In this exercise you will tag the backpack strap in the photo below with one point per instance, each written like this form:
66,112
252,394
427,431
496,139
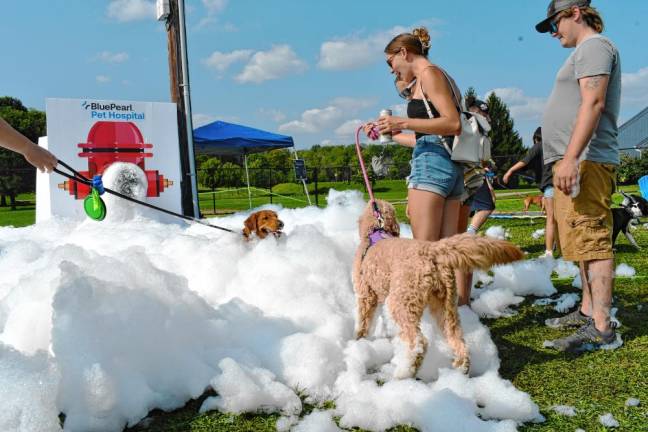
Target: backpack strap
429,110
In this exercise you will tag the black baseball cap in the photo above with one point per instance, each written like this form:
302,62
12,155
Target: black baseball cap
556,6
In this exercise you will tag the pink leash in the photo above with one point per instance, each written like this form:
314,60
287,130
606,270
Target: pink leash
373,134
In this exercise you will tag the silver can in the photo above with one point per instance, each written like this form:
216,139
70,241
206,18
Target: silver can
387,137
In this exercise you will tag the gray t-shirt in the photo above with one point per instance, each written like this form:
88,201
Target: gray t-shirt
596,55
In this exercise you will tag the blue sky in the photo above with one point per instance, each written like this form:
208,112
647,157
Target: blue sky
310,69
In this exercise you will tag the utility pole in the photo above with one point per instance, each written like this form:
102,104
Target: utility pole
172,11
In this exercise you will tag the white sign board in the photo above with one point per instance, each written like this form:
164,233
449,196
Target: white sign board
90,135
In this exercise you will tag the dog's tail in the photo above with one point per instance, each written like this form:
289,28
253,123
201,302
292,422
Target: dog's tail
466,252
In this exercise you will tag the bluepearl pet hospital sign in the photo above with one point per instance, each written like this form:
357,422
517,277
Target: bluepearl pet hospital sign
91,135
112,111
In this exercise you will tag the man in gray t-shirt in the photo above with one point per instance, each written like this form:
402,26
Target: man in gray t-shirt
579,131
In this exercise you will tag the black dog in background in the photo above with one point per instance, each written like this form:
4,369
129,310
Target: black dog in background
632,208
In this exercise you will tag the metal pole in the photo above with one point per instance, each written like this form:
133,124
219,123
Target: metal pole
187,102
304,182
247,177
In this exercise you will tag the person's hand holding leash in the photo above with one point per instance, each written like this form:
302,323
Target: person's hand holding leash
40,158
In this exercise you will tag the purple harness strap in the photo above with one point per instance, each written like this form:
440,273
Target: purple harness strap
378,235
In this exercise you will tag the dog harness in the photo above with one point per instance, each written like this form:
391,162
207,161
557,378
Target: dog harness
376,235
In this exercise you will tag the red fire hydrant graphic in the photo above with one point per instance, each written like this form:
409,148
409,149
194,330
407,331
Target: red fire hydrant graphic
110,142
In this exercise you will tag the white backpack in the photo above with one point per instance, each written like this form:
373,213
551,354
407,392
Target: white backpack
473,145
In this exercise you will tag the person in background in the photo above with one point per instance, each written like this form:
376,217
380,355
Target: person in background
579,131
544,179
13,140
482,202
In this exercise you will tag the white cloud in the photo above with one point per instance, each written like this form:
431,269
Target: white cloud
635,88
276,63
354,52
274,114
102,79
348,128
215,6
521,106
110,57
313,120
330,117
131,10
221,61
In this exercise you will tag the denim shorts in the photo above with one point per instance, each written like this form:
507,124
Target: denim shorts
433,170
548,192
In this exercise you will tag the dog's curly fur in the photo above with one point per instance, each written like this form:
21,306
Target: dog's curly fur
409,275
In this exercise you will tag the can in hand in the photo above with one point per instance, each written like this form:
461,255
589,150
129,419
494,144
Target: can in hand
385,138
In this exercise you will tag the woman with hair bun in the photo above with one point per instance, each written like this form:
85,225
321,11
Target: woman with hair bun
435,183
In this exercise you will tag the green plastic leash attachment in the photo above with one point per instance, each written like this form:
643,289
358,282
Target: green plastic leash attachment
94,206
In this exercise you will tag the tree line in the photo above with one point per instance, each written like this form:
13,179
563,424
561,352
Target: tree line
16,174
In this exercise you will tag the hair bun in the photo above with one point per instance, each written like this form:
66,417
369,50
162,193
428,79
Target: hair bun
422,34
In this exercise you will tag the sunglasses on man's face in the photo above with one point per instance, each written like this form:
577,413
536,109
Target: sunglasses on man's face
553,24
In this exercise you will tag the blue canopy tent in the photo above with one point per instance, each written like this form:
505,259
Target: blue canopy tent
227,139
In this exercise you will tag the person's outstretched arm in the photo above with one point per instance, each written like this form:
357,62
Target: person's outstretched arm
509,173
13,140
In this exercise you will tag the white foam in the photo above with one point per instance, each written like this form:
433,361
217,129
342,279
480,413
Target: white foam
105,321
624,270
537,234
608,420
565,269
497,232
632,402
565,410
317,421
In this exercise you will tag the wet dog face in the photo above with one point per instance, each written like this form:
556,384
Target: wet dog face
262,223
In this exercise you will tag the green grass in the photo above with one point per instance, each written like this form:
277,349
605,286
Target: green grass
595,383
24,215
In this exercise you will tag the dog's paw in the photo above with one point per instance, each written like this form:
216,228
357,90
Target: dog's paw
402,372
463,364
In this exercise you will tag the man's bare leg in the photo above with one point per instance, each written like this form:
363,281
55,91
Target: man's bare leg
601,281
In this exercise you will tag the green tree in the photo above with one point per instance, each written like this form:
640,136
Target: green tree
506,142
632,169
16,174
470,96
208,173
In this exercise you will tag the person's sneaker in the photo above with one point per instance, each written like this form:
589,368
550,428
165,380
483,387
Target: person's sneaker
573,319
586,338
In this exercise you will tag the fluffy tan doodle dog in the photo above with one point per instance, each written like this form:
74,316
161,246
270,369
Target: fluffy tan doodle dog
409,275
262,223
535,199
